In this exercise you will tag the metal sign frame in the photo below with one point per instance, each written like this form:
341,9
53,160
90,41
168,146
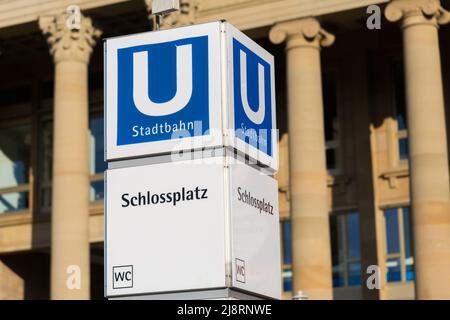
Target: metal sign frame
214,138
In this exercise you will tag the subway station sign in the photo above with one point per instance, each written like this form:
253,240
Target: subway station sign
196,87
213,225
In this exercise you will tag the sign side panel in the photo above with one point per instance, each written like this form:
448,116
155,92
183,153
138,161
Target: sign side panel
236,37
255,232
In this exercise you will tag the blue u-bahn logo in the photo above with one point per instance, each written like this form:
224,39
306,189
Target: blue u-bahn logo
252,98
163,91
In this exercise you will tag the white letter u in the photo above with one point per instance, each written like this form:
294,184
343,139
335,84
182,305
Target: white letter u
184,84
258,116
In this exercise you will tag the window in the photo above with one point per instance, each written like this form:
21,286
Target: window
95,81
15,96
97,164
15,153
400,111
45,164
345,249
399,257
286,252
46,93
331,124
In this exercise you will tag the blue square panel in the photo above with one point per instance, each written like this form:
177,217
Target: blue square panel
252,98
162,91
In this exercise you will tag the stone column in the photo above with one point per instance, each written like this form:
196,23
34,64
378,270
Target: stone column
71,46
308,175
428,160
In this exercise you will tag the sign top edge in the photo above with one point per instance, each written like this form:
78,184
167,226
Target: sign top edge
218,22
236,30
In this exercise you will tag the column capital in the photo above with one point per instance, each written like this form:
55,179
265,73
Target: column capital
417,12
70,36
302,32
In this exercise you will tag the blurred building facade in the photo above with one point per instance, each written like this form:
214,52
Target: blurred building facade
362,112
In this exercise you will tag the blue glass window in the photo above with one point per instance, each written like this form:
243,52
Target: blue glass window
287,241
353,235
401,121
393,270
338,275
345,249
354,274
353,249
407,231
392,236
409,260
403,148
287,280
400,260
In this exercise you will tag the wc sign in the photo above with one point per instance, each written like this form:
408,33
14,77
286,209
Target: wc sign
196,87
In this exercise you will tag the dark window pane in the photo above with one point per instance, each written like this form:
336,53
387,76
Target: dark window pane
408,244
95,80
330,105
393,270
287,242
97,190
97,148
45,165
345,245
407,231
392,236
354,274
399,88
353,235
15,95
331,159
401,122
338,276
97,163
334,239
403,148
47,88
336,252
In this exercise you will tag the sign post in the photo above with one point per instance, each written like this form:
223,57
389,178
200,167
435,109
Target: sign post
191,209
161,7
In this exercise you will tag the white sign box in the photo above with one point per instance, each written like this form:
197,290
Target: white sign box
255,237
213,225
200,86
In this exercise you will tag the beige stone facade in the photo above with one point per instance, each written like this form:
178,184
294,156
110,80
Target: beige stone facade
363,116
